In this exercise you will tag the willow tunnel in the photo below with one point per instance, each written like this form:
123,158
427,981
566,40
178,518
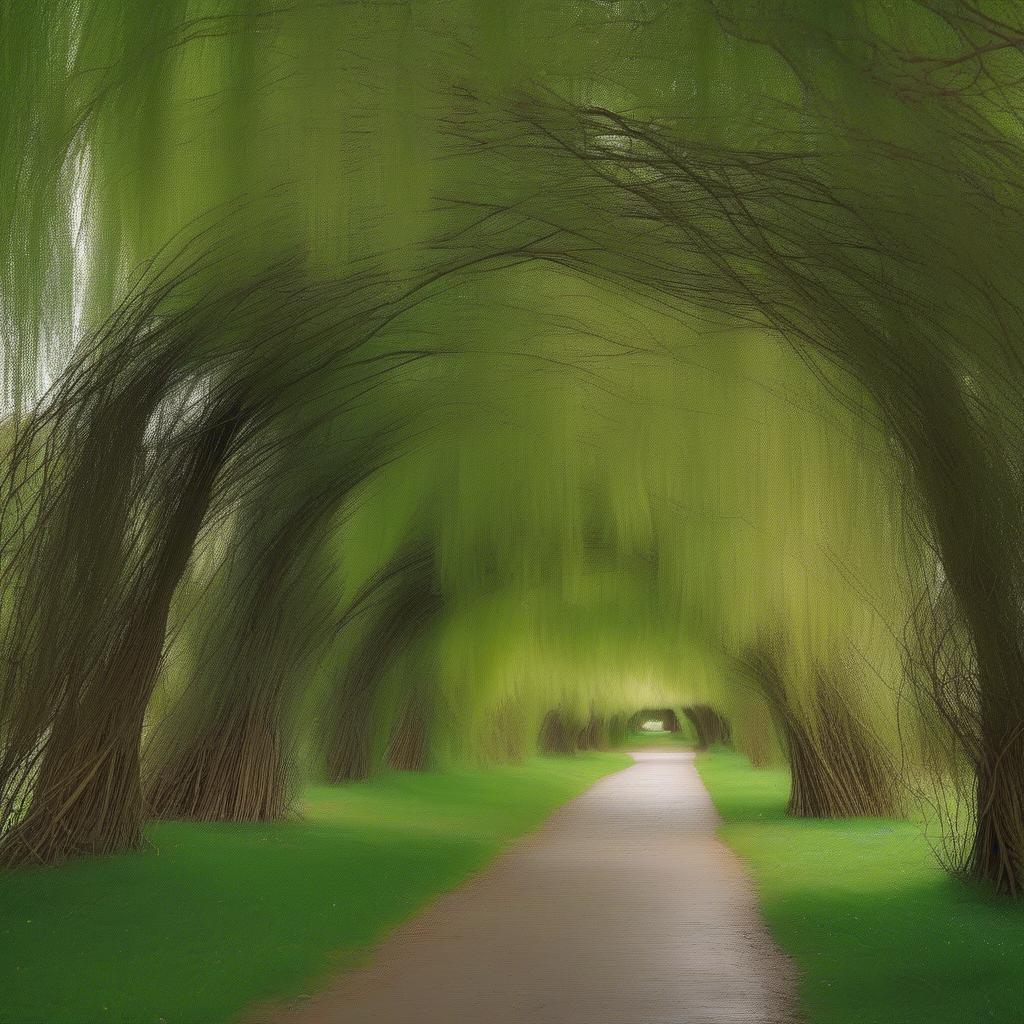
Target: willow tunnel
429,388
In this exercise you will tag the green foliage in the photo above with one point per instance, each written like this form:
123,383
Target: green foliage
694,338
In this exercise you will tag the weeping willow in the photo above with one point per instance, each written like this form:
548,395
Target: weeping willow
397,386
861,220
122,470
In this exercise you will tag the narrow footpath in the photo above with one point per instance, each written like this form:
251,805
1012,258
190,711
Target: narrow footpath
622,908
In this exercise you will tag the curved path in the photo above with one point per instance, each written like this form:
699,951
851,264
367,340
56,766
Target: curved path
623,908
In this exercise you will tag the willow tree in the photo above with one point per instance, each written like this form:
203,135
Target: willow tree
94,575
172,415
225,752
185,403
709,726
398,604
868,217
860,221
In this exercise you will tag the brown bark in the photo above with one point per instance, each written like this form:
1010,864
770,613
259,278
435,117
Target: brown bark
840,773
349,755
971,494
226,753
88,796
996,852
838,768
407,748
594,734
556,735
710,728
234,771
223,754
408,599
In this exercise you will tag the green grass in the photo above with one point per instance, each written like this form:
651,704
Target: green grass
657,740
216,917
880,934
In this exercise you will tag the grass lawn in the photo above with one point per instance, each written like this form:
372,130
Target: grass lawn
657,741
879,933
214,918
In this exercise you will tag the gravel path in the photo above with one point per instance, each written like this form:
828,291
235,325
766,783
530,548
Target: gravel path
623,908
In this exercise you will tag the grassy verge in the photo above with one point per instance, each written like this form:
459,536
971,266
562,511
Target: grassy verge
880,934
215,917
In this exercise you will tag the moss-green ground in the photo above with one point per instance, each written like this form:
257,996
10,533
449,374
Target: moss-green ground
214,918
880,934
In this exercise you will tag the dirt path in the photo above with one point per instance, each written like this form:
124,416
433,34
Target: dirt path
623,908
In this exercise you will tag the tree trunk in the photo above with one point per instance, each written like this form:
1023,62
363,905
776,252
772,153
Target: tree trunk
971,494
88,797
618,730
709,726
349,754
234,771
223,754
556,736
996,853
407,749
838,768
840,773
593,735
409,599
